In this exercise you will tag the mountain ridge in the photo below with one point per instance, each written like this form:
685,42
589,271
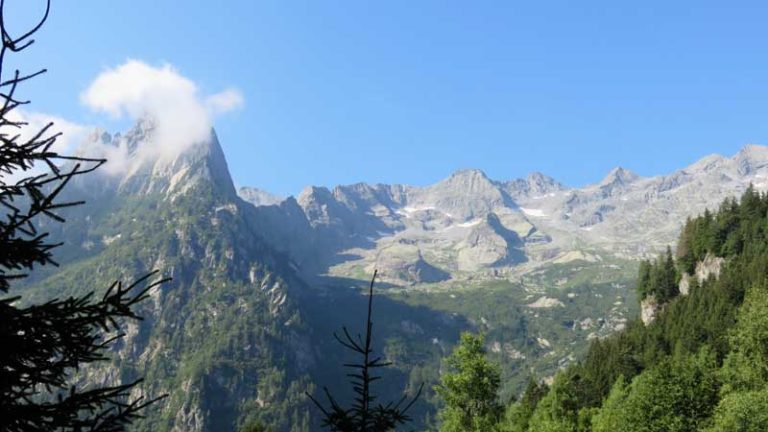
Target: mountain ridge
624,214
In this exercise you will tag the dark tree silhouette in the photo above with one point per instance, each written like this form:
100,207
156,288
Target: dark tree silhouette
41,345
364,415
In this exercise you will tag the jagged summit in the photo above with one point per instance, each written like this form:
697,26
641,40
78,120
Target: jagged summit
259,197
535,184
754,151
619,176
707,163
314,193
466,181
469,173
751,158
542,183
140,166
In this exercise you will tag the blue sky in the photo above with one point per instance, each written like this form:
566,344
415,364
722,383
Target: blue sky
409,91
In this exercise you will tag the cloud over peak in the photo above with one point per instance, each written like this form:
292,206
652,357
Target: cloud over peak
181,115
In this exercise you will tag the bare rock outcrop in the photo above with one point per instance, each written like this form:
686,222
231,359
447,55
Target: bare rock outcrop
710,266
649,309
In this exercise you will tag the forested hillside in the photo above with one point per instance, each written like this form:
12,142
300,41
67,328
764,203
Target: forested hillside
699,363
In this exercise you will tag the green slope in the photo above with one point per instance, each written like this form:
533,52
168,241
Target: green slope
702,364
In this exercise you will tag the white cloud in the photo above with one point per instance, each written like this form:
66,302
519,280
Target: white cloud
182,117
72,134
136,90
226,101
116,153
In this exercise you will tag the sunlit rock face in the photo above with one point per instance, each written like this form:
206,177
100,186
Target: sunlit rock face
710,266
470,225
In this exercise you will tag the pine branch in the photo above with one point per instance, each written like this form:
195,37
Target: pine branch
43,345
362,416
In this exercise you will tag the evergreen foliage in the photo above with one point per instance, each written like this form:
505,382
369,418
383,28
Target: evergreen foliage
470,389
742,412
255,426
364,415
703,363
672,396
519,414
45,344
659,279
558,409
746,366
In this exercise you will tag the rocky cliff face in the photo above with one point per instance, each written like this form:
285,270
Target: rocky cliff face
710,266
649,309
259,197
536,221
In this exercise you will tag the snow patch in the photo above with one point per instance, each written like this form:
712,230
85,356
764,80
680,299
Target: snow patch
408,211
107,240
533,212
469,224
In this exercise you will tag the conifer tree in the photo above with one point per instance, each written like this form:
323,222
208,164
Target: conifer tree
364,415
519,414
43,345
470,389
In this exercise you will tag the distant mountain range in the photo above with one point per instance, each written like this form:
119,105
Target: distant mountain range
261,282
470,226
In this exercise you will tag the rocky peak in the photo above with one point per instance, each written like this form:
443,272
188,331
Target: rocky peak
259,197
469,179
201,164
464,195
706,164
364,197
539,183
535,185
619,177
751,158
465,182
320,206
140,132
616,182
100,136
314,195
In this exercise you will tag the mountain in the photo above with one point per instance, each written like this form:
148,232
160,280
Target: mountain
258,197
227,336
536,221
261,283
